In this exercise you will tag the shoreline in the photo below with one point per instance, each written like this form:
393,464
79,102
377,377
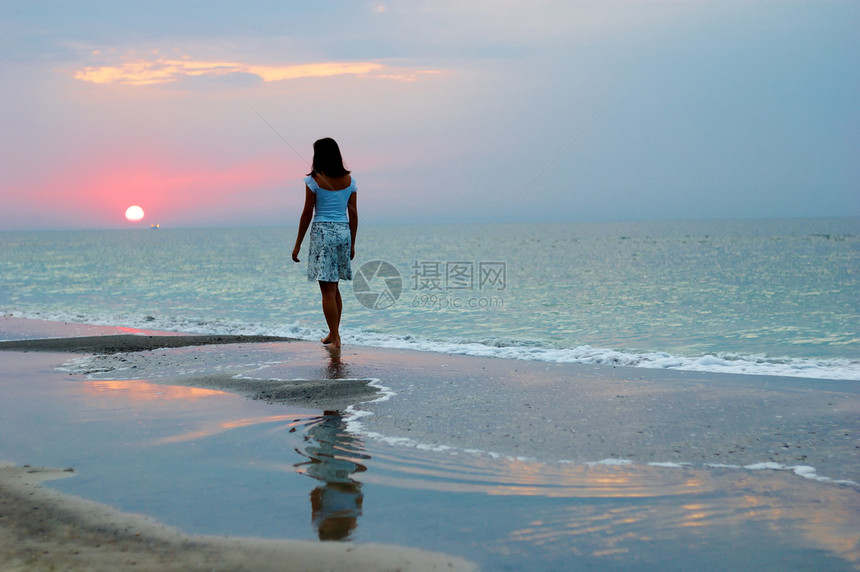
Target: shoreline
554,412
732,362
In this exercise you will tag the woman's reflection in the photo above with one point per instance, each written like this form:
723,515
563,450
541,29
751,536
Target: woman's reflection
335,368
333,456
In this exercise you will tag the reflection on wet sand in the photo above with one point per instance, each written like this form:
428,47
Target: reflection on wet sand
780,510
334,455
513,477
615,509
335,368
291,421
138,390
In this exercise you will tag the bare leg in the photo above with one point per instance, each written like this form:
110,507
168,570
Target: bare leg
332,307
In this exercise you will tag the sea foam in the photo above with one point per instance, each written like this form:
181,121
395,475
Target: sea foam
730,363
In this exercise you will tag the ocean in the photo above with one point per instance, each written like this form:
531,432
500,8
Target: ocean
762,297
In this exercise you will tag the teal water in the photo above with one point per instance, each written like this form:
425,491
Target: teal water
745,296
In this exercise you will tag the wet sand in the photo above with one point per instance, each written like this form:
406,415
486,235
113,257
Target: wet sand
532,410
112,344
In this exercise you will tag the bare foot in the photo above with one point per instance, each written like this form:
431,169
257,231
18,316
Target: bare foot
334,341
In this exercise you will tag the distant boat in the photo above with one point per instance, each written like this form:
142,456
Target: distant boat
154,226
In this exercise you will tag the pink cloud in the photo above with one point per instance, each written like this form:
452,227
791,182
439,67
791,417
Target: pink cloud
165,70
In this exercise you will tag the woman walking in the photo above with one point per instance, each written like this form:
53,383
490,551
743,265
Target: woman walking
331,212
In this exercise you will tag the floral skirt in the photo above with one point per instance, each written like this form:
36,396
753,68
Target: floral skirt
328,257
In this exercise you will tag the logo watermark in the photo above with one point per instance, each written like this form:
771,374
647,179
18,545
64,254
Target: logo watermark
439,276
440,301
436,284
377,284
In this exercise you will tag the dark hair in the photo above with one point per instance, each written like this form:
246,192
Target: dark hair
327,159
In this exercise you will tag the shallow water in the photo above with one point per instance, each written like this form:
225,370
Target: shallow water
766,297
214,463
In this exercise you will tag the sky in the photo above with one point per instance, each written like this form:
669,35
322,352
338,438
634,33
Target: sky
204,112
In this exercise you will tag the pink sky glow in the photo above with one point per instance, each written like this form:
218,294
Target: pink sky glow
445,111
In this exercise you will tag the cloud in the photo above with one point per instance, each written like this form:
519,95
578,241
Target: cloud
165,70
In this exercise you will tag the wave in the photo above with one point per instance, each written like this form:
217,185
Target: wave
734,363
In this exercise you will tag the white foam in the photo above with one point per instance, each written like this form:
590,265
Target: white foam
354,416
769,465
611,462
837,368
804,471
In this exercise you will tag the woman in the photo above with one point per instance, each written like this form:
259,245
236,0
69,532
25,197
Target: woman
330,204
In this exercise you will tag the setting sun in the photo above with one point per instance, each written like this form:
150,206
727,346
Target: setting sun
134,213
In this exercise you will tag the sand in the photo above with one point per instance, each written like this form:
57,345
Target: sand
112,344
41,529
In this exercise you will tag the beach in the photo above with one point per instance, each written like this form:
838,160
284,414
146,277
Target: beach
567,421
635,346
42,529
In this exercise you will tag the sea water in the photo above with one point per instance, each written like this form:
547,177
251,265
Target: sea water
756,297
766,297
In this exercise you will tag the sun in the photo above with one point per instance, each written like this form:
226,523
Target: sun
134,213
